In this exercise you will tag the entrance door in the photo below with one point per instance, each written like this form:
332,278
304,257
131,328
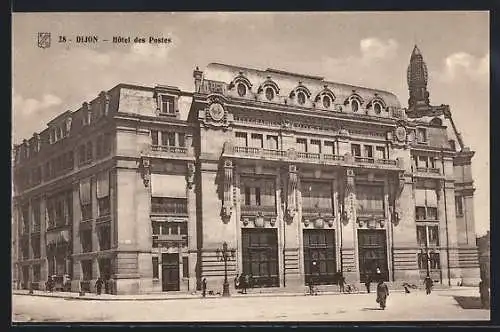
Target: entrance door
170,272
319,247
260,256
372,247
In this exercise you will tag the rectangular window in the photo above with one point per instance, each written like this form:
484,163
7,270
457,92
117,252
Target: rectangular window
421,135
241,139
368,151
86,240
272,142
108,144
89,151
185,267
257,197
35,205
356,150
256,141
155,263
170,139
156,228
380,152
86,199
81,154
434,260
301,145
329,147
167,105
181,139
421,236
420,213
315,146
99,146
370,200
154,137
258,192
459,206
317,197
433,235
423,162
104,237
35,245
103,206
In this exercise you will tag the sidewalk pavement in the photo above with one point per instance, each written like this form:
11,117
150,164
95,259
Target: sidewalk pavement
185,296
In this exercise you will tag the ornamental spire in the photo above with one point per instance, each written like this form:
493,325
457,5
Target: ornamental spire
417,80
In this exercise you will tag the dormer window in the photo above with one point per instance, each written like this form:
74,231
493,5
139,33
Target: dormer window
301,98
242,89
269,93
327,101
167,105
354,105
377,108
421,135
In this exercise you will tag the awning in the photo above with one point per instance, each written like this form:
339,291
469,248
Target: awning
431,198
420,197
85,197
163,185
103,184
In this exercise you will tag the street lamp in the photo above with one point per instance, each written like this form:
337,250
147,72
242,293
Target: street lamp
223,255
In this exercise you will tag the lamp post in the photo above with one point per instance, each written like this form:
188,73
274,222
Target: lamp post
223,255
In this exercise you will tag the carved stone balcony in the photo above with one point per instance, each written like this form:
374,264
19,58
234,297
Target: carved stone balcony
427,172
171,152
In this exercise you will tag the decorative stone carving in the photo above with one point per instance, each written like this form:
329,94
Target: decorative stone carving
227,204
246,221
145,168
259,220
370,222
306,221
190,175
291,210
292,153
331,222
319,222
272,222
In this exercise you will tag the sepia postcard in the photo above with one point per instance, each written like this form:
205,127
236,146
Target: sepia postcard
250,167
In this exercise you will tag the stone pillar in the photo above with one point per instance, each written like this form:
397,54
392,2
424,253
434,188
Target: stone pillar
44,271
143,234
349,234
292,234
192,229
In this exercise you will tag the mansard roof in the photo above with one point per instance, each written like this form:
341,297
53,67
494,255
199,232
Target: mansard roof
288,81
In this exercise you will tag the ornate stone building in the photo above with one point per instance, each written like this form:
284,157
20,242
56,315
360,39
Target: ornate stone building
288,169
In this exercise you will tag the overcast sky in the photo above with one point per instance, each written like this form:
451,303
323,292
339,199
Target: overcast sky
368,49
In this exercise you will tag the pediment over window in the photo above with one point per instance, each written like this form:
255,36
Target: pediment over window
269,83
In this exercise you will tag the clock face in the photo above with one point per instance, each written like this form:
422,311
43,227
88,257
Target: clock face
216,112
401,134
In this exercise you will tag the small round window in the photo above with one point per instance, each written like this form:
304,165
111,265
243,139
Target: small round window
327,102
354,105
269,94
242,90
377,107
301,98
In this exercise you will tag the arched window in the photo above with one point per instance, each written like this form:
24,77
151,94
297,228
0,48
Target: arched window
377,107
242,89
269,93
301,98
354,105
327,101
436,122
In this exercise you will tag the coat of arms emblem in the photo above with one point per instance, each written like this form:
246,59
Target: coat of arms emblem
44,39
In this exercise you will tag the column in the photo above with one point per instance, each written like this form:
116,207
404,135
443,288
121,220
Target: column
44,268
292,235
192,231
349,234
388,228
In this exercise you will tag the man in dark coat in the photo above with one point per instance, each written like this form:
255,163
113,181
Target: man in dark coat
428,285
382,294
341,281
243,284
204,287
368,281
98,285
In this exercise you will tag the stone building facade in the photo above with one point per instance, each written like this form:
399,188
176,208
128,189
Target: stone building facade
287,169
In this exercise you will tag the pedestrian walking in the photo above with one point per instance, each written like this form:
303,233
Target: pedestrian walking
368,281
341,282
98,285
428,284
236,282
204,287
248,282
243,284
484,294
382,294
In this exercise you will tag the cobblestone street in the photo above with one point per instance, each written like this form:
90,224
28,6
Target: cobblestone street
440,305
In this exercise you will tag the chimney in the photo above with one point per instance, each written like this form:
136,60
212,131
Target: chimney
197,74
